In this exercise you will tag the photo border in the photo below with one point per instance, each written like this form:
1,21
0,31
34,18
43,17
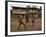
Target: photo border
6,18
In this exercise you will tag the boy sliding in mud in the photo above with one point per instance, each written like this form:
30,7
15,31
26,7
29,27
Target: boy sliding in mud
20,21
33,19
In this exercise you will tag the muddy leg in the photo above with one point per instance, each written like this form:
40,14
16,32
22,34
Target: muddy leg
19,26
32,23
24,26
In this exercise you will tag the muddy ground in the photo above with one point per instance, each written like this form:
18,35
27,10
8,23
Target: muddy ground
28,26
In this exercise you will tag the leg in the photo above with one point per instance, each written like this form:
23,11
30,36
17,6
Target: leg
32,22
24,25
19,25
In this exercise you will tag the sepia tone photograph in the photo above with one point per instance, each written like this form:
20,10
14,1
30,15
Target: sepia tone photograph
25,18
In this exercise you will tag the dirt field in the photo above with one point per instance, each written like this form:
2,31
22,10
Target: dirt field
27,27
